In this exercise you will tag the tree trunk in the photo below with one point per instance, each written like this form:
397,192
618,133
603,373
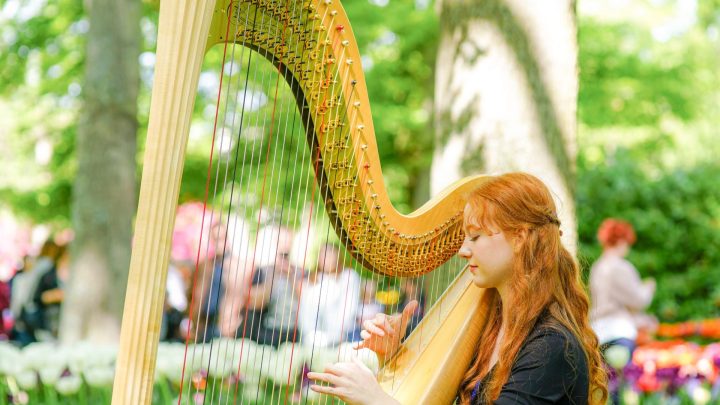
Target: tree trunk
104,194
506,95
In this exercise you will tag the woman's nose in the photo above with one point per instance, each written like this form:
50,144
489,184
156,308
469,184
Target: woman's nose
464,251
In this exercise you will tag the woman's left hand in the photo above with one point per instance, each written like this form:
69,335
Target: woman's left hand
352,382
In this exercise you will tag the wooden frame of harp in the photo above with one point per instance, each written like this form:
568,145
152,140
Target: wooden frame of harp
390,243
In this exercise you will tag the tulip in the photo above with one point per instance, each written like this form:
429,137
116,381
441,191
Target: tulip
68,385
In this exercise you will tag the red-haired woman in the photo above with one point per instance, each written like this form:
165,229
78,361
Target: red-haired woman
537,346
619,296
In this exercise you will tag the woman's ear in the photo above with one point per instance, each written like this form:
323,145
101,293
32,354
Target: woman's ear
519,239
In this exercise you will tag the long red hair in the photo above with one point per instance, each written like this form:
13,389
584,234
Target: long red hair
545,276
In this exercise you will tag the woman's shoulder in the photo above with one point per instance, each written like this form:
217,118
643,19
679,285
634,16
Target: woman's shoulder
551,367
553,345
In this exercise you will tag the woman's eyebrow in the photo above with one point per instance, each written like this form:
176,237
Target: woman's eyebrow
472,228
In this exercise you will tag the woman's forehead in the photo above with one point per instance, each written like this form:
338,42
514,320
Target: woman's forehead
472,216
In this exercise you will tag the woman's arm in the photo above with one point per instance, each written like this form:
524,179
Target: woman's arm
629,289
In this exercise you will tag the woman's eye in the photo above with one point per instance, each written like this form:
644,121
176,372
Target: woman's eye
473,238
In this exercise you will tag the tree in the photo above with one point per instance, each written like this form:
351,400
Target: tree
104,192
506,91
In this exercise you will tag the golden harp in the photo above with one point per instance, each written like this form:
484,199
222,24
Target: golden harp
311,46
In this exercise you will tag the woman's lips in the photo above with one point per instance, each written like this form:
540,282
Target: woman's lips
473,269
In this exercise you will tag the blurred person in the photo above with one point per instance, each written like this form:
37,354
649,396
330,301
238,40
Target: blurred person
411,291
369,307
49,295
176,302
618,296
206,289
330,300
24,309
270,316
236,282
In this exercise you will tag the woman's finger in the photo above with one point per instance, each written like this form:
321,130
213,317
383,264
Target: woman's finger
324,377
388,327
335,369
408,312
373,328
324,389
365,335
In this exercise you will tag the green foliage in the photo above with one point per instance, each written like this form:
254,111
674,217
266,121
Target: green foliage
400,83
676,214
627,78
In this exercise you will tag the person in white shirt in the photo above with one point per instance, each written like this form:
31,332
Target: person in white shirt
619,297
330,300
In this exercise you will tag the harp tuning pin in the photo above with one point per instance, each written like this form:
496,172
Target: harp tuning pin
340,28
374,196
333,13
345,43
391,229
360,127
382,216
366,165
349,61
377,207
328,2
364,147
356,104
370,182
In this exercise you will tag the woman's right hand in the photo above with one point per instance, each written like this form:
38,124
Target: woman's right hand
383,333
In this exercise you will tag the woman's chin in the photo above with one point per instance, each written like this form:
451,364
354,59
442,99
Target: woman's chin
479,283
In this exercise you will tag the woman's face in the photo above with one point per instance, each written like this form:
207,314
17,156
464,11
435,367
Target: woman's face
488,252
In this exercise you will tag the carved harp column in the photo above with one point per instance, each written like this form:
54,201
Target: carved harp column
312,46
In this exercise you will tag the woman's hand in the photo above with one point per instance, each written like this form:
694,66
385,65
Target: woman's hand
351,382
383,333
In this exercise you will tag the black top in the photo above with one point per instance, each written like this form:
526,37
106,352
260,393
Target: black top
550,368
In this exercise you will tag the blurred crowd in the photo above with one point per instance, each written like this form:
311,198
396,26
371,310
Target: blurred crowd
275,292
285,288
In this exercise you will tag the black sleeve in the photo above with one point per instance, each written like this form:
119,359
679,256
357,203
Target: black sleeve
550,368
258,276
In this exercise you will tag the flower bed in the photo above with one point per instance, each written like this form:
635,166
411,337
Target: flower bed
224,370
668,372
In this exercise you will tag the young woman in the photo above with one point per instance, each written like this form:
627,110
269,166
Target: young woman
537,346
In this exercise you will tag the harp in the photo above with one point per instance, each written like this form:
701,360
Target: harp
310,46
